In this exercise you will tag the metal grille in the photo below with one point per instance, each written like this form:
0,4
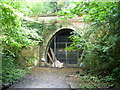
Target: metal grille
63,55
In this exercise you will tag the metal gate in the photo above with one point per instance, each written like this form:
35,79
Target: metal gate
63,55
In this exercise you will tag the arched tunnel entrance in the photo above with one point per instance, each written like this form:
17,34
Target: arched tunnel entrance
57,44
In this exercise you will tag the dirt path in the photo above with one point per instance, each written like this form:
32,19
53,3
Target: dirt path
49,78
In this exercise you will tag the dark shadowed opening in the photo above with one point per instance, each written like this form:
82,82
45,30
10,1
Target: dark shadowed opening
58,43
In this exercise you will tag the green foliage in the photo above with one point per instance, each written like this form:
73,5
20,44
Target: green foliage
14,39
42,9
101,38
47,7
18,33
42,28
78,43
32,7
92,82
95,11
10,71
108,78
33,30
22,6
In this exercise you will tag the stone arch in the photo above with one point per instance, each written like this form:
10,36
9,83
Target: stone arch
49,40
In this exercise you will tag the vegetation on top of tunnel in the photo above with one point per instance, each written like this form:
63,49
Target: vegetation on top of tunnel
31,7
101,38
